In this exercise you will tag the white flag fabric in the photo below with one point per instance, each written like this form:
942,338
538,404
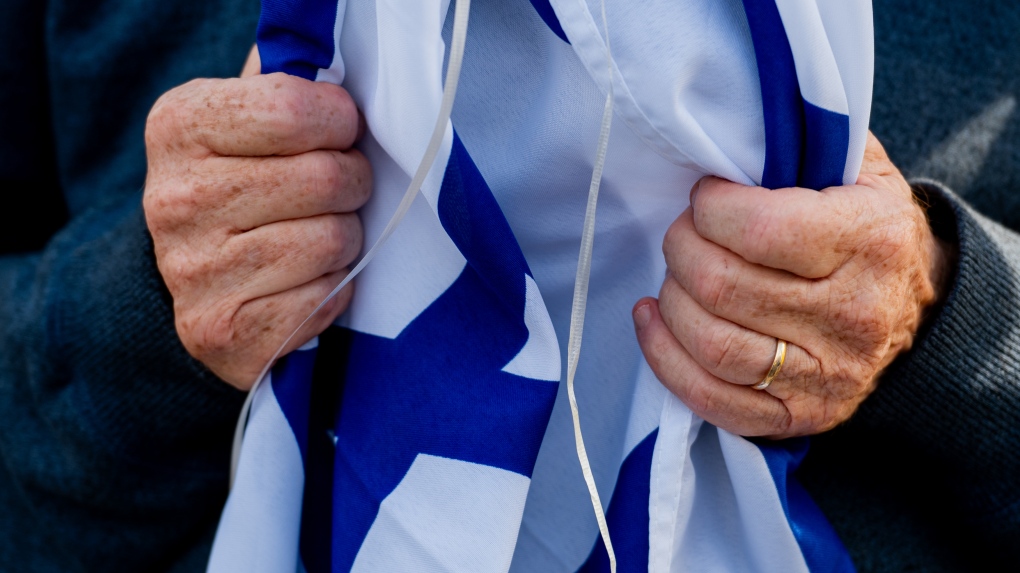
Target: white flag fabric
428,430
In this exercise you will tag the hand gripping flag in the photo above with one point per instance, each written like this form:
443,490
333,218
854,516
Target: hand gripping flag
428,430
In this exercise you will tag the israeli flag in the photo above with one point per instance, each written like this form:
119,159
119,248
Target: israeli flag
428,430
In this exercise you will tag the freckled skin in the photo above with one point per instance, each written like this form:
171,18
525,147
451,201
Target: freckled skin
251,200
844,275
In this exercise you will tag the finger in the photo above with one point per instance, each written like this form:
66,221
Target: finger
253,65
876,160
879,172
814,414
262,325
731,352
737,409
796,230
253,192
280,256
763,299
273,114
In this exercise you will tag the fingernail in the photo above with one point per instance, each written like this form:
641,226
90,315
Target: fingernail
642,315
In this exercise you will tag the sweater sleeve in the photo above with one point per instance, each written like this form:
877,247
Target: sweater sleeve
114,439
954,400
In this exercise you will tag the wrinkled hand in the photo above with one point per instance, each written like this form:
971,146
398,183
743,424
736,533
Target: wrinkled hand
250,198
844,275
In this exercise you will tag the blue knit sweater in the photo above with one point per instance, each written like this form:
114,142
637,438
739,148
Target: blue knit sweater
113,441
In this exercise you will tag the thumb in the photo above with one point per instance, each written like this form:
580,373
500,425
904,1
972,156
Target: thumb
658,344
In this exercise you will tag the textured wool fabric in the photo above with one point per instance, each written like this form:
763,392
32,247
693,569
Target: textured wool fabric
113,441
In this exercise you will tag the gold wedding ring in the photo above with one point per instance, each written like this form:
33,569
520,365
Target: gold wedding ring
777,365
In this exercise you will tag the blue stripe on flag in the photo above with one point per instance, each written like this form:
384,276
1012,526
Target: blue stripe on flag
628,514
472,218
822,549
545,10
438,387
781,101
292,390
296,36
805,145
828,142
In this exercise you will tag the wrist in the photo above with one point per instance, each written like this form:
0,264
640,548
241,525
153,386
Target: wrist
943,247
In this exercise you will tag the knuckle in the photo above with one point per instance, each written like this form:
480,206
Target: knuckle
170,203
830,415
206,333
359,177
672,236
163,118
335,240
895,238
353,235
760,234
713,286
872,327
175,113
708,402
335,304
778,420
155,206
862,321
661,359
345,105
804,416
719,348
807,367
306,304
894,229
343,112
327,174
346,102
340,301
280,123
355,228
699,400
252,255
343,298
170,263
287,117
183,270
871,179
215,336
330,236
846,378
672,242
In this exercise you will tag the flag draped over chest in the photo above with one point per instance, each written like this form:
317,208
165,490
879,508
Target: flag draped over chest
427,431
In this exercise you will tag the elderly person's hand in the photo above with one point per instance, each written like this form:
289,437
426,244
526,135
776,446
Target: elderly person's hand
843,275
250,197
